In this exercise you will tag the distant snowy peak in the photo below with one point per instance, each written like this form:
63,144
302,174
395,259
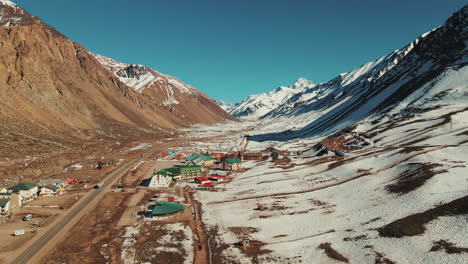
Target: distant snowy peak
303,83
417,71
258,105
143,79
7,3
226,106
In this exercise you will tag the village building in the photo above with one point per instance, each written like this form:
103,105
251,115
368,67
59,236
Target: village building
5,204
56,182
217,178
208,185
166,208
201,180
174,172
197,161
218,172
180,156
217,156
164,156
11,201
160,179
190,171
27,191
71,180
231,156
50,190
251,156
231,164
200,159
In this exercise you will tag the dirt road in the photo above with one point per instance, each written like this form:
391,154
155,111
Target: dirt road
28,254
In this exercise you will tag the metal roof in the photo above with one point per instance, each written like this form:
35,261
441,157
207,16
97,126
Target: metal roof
22,187
3,202
233,160
164,208
190,167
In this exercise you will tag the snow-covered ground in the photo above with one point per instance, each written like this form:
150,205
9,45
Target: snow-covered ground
416,165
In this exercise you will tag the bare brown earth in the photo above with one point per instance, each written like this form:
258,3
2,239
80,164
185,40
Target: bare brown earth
414,176
413,225
63,106
448,247
332,253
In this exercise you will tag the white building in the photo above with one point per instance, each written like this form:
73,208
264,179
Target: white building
5,206
50,190
9,202
27,191
159,180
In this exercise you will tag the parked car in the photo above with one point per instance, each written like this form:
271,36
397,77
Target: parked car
19,232
27,217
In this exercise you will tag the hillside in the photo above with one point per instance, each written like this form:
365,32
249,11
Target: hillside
429,70
168,92
57,97
376,170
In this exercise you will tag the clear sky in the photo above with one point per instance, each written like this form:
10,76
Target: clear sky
230,49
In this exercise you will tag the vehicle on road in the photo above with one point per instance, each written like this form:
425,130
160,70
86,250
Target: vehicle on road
19,232
99,185
27,217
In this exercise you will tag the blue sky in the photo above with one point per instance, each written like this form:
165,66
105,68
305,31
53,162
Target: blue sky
230,49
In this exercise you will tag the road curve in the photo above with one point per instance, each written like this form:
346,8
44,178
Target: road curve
28,254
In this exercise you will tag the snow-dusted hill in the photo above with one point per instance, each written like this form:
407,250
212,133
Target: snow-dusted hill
181,99
255,106
377,170
379,86
141,77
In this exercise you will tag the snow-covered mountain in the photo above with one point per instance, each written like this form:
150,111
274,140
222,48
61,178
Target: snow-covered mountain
424,75
181,99
257,105
143,78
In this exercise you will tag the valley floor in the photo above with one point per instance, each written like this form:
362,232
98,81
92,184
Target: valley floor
395,195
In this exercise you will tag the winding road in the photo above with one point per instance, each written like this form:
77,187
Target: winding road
27,256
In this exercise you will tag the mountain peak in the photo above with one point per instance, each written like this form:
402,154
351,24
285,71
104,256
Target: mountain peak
303,83
7,3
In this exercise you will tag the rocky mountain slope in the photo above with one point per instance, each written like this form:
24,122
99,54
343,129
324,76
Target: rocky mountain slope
168,92
377,170
255,106
57,97
417,71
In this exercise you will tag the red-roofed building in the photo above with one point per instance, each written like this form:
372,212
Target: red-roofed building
180,156
71,180
217,156
208,185
231,156
164,155
217,178
201,179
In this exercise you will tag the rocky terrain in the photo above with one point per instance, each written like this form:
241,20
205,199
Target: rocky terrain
58,98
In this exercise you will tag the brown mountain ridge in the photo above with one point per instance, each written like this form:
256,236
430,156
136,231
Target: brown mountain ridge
57,97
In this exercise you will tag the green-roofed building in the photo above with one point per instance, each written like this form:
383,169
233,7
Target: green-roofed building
200,159
165,208
5,206
26,190
190,171
231,164
162,173
192,157
174,171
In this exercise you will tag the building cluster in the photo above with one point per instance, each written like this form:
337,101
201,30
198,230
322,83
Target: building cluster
13,197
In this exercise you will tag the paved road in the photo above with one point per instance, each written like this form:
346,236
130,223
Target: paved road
32,250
